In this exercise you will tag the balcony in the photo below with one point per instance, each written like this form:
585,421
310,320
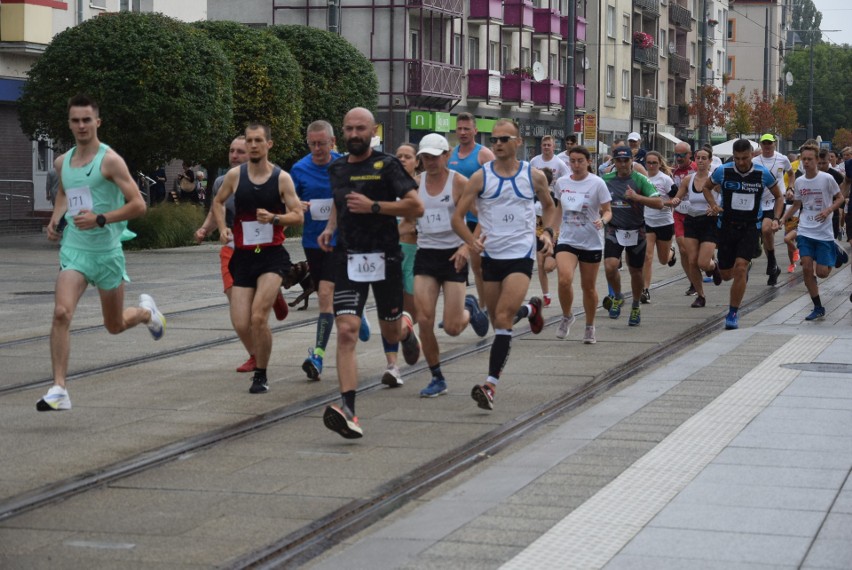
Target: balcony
678,115
580,96
651,7
451,7
649,57
579,28
518,14
679,66
517,88
546,22
483,84
433,83
485,10
679,16
25,28
547,93
645,108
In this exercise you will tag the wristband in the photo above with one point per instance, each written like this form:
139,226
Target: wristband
274,220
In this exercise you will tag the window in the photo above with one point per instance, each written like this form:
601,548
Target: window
457,50
472,53
525,57
664,45
625,84
493,55
693,52
731,66
536,56
732,30
505,58
127,5
610,81
553,71
662,94
414,38
625,28
610,21
97,4
562,72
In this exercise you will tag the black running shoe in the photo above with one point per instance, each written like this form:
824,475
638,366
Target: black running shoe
484,396
341,420
258,385
773,277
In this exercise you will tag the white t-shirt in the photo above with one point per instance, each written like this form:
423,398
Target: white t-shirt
816,194
555,164
581,206
656,218
776,165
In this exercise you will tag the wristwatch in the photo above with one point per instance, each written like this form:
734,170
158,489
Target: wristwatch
100,220
376,208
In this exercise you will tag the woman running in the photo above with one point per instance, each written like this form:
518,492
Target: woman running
659,224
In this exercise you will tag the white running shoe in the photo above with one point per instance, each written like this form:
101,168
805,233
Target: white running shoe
565,326
157,324
392,378
56,399
589,335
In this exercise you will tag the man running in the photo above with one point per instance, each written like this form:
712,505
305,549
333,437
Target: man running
503,191
265,202
370,190
778,166
96,196
682,168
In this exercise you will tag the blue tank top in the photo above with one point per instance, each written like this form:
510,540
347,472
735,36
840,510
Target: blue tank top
467,166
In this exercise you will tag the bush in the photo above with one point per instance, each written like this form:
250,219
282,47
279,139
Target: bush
167,225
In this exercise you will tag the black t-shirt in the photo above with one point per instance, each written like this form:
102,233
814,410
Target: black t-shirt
380,177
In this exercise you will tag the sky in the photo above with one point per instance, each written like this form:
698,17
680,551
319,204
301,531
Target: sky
836,15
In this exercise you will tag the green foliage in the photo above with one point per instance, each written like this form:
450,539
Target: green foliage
166,225
337,77
807,17
832,103
164,88
842,138
739,115
267,88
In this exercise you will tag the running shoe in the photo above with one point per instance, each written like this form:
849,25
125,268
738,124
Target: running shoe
313,366
791,268
645,297
773,277
536,319
635,317
484,396
673,258
817,313
795,256
607,302
364,330
565,326
157,324
55,400
279,307
342,421
410,344
717,274
247,366
732,321
478,319
437,387
589,335
547,300
842,256
698,302
392,378
258,384
691,292
615,309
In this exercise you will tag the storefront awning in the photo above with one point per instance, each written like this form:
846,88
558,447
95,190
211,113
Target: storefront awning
669,137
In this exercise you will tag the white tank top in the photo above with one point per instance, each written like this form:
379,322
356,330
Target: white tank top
697,202
507,213
434,230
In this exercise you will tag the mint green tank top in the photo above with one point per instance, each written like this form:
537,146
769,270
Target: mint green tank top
86,188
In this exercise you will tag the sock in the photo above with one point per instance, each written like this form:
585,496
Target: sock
319,352
324,324
349,400
770,257
732,310
524,312
260,372
436,371
635,304
394,348
817,302
500,349
618,296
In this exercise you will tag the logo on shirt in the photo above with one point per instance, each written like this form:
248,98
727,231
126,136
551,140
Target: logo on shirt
378,165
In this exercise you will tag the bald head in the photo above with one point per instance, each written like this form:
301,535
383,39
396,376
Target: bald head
359,126
361,114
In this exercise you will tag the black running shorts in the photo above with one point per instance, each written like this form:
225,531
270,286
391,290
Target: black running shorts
351,296
436,263
246,265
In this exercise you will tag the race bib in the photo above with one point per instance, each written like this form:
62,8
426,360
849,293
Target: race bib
366,267
508,220
766,204
79,199
572,201
627,237
255,233
743,202
321,209
435,220
683,207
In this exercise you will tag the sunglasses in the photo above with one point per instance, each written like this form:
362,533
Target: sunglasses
503,139
679,154
767,142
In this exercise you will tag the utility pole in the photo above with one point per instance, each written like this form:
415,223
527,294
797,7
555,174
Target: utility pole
570,44
702,126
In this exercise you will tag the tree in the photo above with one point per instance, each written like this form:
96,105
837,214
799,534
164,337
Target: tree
807,17
762,120
832,101
710,111
337,77
267,88
842,139
786,117
145,71
739,115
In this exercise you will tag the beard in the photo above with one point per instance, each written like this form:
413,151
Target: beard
256,159
357,147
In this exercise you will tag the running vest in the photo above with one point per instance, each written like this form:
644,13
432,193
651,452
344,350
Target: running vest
247,199
434,230
86,189
697,202
507,213
466,166
741,193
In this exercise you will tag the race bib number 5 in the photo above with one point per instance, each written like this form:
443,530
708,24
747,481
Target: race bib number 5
366,267
255,233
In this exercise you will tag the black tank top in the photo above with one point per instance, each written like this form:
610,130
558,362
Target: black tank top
249,197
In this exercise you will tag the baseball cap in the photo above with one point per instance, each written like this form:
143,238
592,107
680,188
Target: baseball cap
433,144
622,152
768,137
634,137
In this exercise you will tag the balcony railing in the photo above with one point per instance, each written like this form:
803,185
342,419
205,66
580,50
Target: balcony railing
546,21
482,10
648,6
433,79
518,13
679,65
649,57
547,93
645,108
483,84
678,115
452,7
680,16
517,89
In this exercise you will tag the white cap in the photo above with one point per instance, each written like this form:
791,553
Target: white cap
433,144
634,137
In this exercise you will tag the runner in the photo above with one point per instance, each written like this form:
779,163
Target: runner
778,166
683,167
659,224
